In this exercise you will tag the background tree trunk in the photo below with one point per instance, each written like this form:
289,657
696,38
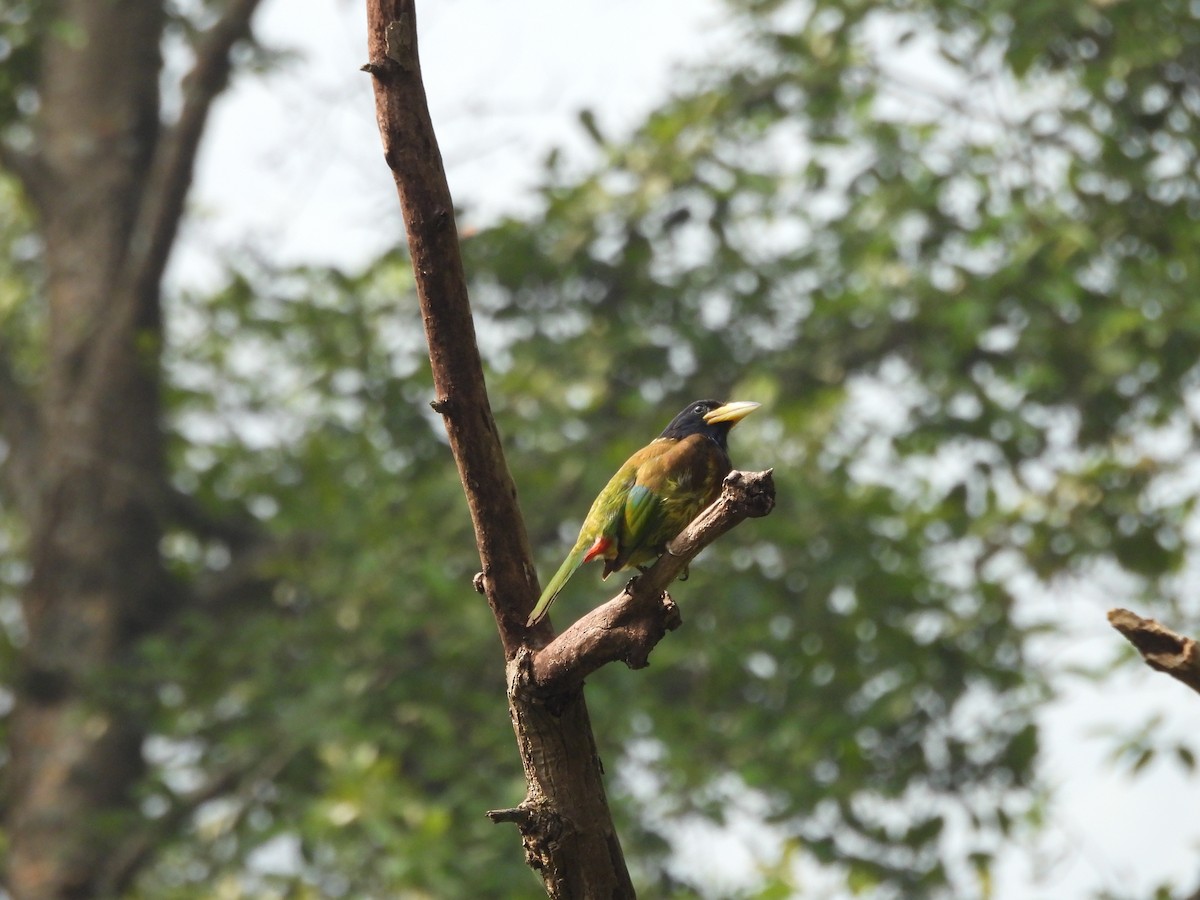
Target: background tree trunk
107,182
94,532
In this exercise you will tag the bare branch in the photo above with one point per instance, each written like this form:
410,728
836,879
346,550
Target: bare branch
573,842
171,175
1161,648
411,151
629,626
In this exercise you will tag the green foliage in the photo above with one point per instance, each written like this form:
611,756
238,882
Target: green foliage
966,305
973,327
360,690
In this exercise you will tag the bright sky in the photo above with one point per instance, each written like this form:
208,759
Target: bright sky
293,166
293,160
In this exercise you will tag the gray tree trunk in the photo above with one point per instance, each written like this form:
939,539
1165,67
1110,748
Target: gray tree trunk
107,181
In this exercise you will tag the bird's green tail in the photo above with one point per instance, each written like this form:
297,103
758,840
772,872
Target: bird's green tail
573,561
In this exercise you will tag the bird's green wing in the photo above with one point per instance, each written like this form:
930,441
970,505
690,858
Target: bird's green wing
664,498
653,497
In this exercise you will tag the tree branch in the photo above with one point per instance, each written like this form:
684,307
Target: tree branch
164,192
170,177
572,841
1161,648
411,152
629,626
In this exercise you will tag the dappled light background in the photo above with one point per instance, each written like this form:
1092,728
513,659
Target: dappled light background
951,249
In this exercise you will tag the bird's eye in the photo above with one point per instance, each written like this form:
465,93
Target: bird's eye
699,409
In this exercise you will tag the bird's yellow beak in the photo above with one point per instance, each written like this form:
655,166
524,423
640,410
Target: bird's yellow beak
733,412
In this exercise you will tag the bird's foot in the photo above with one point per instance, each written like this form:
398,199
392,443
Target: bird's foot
684,575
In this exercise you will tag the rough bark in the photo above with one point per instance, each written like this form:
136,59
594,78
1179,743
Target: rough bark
411,152
108,196
564,820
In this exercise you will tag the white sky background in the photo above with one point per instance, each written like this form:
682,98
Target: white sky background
292,166
293,160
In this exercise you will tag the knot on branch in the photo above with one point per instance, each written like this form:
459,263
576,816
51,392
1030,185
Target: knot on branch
519,815
754,491
541,827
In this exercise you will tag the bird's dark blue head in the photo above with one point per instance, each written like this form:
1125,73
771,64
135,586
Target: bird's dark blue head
711,418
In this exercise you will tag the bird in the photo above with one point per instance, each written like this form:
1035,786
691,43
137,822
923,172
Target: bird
654,495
